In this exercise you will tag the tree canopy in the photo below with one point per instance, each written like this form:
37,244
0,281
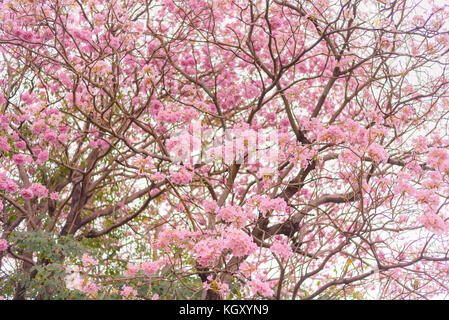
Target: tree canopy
233,149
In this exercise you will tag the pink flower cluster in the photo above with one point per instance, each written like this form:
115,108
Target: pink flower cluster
131,270
35,190
239,242
5,120
355,133
234,215
209,205
347,156
260,287
266,204
128,292
149,267
157,177
28,97
377,153
89,288
333,134
8,185
4,144
420,144
428,198
170,236
144,163
281,248
181,177
20,145
54,196
403,185
21,159
222,288
207,251
39,190
174,114
88,261
438,158
39,126
42,155
434,181
3,245
434,223
27,193
236,240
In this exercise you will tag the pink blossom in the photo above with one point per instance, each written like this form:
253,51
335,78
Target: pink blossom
348,156
114,43
154,192
11,186
207,251
3,245
54,196
157,177
4,121
21,145
403,218
88,261
181,177
427,197
377,153
420,144
434,223
259,287
39,190
150,268
26,97
281,248
232,214
128,291
434,181
50,136
89,288
403,185
4,144
21,159
266,204
209,206
132,269
169,236
239,242
135,101
42,157
39,126
27,193
437,156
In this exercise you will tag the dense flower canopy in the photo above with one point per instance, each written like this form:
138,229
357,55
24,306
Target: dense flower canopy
127,167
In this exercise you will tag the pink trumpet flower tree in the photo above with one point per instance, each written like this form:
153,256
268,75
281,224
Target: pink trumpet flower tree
224,149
